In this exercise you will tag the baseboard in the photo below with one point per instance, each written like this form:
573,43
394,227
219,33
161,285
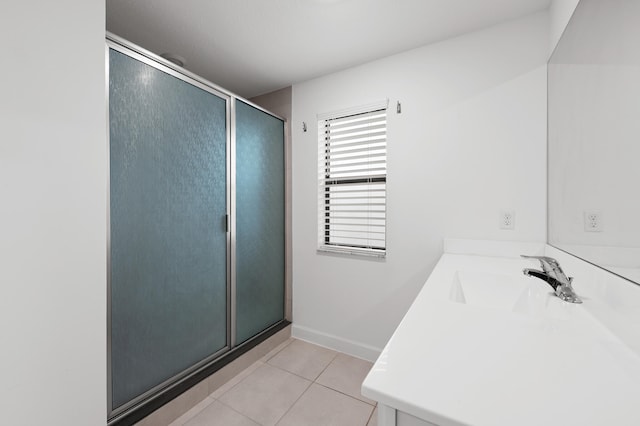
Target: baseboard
349,347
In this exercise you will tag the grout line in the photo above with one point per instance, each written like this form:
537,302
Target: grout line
294,403
242,414
184,422
296,374
339,391
371,416
327,366
264,361
239,381
345,394
336,353
291,339
260,360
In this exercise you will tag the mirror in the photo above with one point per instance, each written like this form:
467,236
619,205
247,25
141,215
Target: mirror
594,137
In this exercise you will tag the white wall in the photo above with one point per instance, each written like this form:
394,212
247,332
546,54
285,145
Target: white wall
471,140
53,202
560,12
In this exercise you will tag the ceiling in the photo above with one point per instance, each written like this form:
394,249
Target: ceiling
252,47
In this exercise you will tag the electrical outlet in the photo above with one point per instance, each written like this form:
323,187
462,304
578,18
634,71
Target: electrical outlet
507,219
593,221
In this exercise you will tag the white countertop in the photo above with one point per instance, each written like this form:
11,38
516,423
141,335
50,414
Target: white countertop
519,357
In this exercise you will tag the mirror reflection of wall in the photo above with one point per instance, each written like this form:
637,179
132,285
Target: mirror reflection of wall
594,137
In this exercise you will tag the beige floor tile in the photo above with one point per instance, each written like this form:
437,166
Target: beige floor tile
235,380
320,406
266,394
346,374
217,414
180,421
373,421
304,359
277,349
229,371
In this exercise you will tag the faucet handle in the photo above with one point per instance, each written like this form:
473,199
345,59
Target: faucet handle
548,263
540,258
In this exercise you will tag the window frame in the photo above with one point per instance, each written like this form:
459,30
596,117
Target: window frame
326,182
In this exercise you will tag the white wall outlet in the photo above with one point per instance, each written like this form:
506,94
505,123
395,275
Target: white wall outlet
507,219
593,221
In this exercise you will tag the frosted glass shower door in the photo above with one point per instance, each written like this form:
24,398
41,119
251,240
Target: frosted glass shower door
168,240
259,221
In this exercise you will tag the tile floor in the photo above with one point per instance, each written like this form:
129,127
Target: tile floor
296,384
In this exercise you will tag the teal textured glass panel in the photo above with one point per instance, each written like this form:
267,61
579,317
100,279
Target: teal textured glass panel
259,221
168,238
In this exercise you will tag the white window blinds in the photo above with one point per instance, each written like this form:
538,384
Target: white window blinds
352,192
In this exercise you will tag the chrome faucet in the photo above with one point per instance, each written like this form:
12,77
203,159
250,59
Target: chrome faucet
553,275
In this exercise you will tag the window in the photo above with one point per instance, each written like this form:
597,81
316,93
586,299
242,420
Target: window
352,168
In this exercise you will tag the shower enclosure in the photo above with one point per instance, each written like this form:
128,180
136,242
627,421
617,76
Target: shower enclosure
196,229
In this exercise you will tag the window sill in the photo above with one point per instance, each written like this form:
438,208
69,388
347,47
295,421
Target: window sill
351,251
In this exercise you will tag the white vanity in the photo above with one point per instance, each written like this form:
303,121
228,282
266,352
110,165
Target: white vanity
482,344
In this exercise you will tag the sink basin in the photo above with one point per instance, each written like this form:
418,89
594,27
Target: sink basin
486,289
513,293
